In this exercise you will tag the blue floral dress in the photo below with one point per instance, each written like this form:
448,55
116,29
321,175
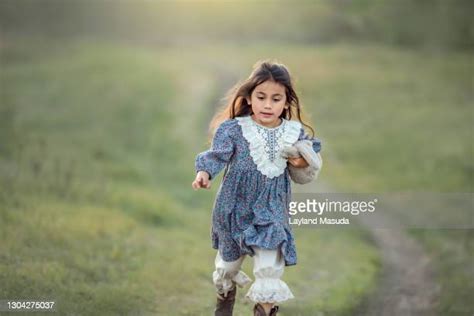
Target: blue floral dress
251,206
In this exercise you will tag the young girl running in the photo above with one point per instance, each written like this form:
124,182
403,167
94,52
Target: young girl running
250,213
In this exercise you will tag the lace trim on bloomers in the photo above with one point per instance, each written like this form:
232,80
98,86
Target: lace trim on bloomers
266,143
269,290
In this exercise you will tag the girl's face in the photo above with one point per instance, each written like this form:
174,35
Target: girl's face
268,100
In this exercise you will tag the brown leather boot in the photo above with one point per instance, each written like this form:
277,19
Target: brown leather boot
258,310
274,310
225,304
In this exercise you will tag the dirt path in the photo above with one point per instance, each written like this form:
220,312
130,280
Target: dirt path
204,85
406,286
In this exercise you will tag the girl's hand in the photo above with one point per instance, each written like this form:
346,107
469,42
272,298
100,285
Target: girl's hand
298,162
201,181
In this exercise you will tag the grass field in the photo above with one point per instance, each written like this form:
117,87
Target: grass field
96,207
97,157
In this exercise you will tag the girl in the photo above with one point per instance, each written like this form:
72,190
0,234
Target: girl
250,213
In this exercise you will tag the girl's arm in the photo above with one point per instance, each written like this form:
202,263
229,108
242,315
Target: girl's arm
209,163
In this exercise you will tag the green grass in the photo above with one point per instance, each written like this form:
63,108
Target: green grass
400,120
96,207
390,120
452,252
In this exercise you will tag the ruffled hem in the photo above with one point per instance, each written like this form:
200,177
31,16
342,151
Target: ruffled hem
267,236
289,254
257,145
269,290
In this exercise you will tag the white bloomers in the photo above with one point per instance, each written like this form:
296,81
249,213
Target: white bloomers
268,269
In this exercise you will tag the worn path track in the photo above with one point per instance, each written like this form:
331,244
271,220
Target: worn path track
407,285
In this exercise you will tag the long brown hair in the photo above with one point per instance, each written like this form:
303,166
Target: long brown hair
236,98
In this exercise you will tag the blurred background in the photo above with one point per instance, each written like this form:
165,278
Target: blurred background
105,104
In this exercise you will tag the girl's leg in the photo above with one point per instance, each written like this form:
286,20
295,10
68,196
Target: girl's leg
268,289
227,274
225,278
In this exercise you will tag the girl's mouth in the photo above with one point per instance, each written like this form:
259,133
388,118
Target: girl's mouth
266,114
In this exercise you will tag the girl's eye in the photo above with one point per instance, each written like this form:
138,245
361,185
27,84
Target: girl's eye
274,100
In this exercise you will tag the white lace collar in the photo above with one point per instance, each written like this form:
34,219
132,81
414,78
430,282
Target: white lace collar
265,143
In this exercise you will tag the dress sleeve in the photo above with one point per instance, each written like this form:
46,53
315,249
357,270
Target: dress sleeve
316,141
215,159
